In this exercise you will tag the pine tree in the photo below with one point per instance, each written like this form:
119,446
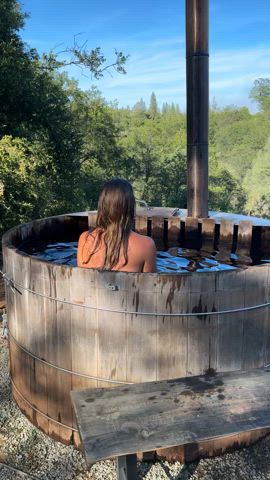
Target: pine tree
153,107
140,106
165,108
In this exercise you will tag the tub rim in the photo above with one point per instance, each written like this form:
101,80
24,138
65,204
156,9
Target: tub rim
7,243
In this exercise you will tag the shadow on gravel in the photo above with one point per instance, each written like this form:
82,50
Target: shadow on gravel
185,474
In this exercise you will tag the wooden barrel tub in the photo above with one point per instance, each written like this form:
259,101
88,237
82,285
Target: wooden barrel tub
72,328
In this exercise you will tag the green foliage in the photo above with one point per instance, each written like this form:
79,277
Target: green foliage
235,137
11,19
153,107
39,105
140,107
153,158
25,186
100,155
257,184
260,93
93,60
225,194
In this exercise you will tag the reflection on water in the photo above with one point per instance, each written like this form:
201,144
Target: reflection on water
63,253
175,260
184,260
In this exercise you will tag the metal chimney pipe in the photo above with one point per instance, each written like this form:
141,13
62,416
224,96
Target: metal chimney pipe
197,70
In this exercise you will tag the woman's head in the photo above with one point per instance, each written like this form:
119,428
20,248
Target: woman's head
116,205
115,216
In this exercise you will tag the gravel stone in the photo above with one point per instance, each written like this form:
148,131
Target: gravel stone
26,453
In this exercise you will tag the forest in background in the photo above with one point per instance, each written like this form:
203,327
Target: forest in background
58,144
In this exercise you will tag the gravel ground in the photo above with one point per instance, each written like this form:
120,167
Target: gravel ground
26,453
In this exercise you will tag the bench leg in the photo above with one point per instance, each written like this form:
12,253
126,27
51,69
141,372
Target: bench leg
127,467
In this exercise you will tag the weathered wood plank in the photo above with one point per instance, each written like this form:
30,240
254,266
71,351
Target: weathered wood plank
172,332
267,336
174,226
84,331
256,322
208,236
142,294
111,294
92,219
21,327
202,334
225,241
192,233
62,333
265,242
141,224
244,239
153,415
58,350
230,295
37,343
158,231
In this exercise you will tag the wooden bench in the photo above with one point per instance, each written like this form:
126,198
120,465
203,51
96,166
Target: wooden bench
144,417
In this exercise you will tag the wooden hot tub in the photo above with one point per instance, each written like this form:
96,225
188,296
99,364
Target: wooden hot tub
72,328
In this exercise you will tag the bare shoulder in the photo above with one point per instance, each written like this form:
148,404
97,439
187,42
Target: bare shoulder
146,248
83,237
142,240
87,235
86,238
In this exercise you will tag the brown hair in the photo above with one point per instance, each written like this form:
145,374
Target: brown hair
115,216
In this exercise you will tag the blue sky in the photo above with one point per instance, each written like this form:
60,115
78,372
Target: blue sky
153,33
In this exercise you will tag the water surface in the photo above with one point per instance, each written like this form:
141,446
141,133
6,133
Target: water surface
175,260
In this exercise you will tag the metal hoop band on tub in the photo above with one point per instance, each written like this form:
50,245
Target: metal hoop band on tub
157,314
65,370
39,411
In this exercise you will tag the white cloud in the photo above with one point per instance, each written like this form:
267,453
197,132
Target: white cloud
162,70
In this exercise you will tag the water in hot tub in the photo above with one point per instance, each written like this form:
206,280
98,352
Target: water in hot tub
173,261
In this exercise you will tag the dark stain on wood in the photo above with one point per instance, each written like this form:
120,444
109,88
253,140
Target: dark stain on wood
136,299
211,417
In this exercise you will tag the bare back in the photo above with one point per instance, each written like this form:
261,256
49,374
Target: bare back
141,253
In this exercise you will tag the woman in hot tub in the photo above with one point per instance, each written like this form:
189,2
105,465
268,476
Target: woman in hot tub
113,245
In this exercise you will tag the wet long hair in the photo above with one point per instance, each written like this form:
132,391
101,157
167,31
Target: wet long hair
115,217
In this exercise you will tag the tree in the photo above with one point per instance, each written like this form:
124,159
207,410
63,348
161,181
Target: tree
165,108
236,136
153,107
225,194
37,104
140,106
23,72
257,184
25,186
260,93
101,155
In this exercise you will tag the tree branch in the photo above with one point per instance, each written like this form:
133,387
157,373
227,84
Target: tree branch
92,60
